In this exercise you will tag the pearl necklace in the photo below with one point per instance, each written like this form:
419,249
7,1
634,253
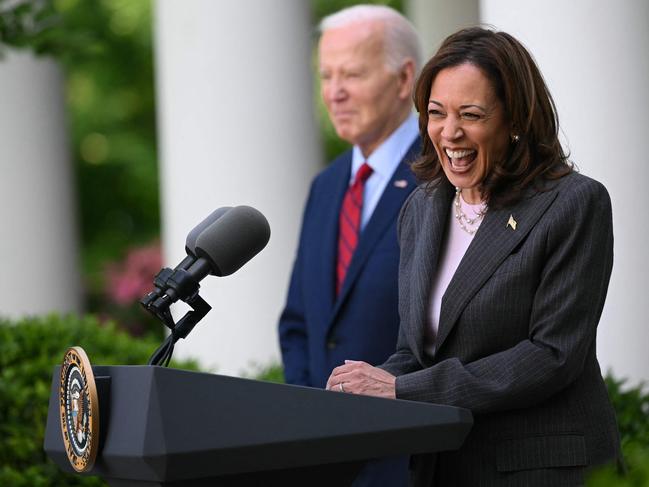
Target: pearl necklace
465,222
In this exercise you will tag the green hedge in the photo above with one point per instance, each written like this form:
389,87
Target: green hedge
632,410
29,350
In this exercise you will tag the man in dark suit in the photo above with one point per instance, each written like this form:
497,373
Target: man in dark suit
366,86
342,299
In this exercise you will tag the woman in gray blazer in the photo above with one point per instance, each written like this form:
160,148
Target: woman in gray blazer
506,255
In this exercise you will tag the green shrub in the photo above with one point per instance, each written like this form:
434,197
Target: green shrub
632,409
29,350
269,373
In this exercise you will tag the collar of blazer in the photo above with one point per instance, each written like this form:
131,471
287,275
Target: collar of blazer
430,222
492,243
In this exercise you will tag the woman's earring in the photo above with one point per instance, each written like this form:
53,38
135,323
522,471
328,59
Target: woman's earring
515,138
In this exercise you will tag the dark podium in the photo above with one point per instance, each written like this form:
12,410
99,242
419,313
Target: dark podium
167,427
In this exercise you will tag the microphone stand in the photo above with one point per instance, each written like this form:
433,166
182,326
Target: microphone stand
186,288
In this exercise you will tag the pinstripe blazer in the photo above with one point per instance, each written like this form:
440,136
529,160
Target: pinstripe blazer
516,336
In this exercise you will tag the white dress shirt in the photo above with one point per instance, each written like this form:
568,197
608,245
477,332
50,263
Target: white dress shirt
384,161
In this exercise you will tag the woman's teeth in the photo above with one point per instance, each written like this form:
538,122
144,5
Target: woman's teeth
458,154
461,160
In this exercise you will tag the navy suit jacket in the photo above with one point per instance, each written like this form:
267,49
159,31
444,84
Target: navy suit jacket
318,330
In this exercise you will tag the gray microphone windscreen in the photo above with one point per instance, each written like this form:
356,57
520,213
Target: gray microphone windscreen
233,239
190,242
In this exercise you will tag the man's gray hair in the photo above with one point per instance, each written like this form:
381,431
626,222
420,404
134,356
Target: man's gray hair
401,38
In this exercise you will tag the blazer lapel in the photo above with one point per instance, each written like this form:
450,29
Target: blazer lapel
425,259
493,242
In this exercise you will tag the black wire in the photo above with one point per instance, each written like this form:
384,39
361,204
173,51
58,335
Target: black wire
170,352
162,351
165,359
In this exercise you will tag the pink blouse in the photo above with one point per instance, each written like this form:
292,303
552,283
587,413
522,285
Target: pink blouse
454,245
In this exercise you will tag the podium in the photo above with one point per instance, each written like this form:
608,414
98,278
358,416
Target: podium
168,427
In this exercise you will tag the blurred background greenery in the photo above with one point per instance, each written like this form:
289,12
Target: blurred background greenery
105,49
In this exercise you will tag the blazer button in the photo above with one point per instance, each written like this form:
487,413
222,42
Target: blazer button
332,343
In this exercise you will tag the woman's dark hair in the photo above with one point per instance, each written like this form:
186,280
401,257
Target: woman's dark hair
537,156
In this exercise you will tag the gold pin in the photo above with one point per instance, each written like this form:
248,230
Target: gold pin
511,222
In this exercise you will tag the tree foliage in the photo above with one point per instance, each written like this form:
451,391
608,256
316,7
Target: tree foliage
105,49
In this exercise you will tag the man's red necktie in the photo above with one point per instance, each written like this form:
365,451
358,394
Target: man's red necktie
349,223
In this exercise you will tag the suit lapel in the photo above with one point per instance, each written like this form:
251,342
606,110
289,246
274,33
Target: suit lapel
425,259
327,273
493,242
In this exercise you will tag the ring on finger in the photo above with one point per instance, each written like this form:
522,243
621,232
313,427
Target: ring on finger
342,388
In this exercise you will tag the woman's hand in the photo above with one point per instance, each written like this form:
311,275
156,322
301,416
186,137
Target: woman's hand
361,378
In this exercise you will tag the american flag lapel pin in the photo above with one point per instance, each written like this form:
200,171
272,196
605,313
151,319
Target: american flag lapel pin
511,222
401,183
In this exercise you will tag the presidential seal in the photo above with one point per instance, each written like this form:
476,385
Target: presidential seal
79,409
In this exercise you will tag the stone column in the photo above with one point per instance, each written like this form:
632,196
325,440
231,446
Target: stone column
436,19
236,126
40,271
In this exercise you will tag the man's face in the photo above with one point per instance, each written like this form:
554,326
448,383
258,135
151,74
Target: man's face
364,99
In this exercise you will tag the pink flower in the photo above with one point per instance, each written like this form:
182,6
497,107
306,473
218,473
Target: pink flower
132,278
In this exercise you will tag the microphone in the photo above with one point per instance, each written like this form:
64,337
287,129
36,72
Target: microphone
219,245
221,249
233,240
162,277
190,242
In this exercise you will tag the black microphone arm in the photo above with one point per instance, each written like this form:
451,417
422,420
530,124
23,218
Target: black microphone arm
218,247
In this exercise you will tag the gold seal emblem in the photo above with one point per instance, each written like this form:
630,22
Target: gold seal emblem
79,409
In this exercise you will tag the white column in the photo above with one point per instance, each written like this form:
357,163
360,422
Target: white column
38,230
436,19
593,56
236,126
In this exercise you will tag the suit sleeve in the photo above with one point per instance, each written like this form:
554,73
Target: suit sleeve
293,328
402,361
562,326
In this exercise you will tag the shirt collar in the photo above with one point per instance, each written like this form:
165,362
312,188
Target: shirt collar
385,159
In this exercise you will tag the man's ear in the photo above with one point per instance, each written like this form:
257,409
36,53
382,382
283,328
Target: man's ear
406,79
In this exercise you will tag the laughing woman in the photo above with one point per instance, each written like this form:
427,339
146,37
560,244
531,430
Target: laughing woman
506,254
